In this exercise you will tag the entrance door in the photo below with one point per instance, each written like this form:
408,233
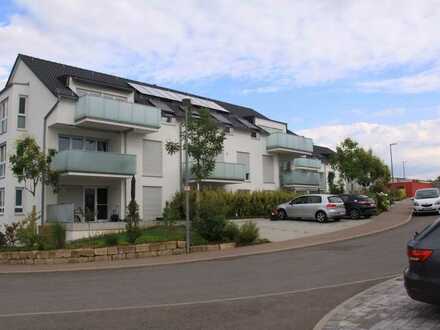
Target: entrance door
96,203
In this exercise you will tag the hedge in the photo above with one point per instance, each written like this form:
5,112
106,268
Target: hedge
239,204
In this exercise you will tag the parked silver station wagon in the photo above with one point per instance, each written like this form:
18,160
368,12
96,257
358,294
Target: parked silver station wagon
320,207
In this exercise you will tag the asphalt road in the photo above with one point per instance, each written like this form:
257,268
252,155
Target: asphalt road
285,290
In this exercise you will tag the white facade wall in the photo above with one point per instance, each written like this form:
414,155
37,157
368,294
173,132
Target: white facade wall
61,121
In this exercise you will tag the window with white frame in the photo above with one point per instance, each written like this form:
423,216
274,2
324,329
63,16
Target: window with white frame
18,200
66,142
2,160
21,116
2,200
4,116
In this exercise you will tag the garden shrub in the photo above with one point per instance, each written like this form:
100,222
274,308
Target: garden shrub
171,214
52,236
132,226
239,204
3,242
111,239
249,233
382,201
11,234
231,232
27,231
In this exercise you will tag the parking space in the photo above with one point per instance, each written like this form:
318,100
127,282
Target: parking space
277,231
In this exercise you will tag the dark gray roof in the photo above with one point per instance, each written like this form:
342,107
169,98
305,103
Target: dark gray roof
54,76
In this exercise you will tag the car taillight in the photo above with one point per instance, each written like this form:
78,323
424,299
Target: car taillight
331,206
419,255
274,211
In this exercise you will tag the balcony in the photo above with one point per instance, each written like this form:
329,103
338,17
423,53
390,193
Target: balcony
307,164
300,178
109,164
103,113
288,143
226,173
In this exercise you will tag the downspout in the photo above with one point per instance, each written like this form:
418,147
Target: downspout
125,181
43,187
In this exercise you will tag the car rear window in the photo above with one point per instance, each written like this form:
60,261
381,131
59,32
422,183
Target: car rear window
425,194
335,199
430,235
361,197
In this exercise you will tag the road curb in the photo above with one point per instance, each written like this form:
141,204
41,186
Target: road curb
202,259
323,322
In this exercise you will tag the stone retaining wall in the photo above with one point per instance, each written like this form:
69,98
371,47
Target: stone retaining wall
104,254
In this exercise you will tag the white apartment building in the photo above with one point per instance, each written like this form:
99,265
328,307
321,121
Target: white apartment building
107,129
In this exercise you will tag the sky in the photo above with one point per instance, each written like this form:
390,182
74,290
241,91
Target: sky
367,69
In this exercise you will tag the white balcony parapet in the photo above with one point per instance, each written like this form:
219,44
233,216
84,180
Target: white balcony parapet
283,142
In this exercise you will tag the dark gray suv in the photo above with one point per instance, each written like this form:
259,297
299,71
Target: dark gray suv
422,277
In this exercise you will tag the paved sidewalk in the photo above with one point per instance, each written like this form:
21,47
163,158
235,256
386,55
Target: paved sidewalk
397,216
384,306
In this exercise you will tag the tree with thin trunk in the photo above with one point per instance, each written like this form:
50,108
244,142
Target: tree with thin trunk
205,142
31,166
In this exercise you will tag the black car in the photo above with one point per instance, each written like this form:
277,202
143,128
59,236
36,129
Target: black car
358,206
422,277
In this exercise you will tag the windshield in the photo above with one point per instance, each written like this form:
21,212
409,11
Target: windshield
425,194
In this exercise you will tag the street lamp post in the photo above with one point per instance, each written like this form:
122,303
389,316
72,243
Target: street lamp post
392,165
404,168
187,107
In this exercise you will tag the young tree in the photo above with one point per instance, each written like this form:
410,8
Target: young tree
205,142
356,164
31,166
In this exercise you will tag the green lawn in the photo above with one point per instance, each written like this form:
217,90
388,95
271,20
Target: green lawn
149,235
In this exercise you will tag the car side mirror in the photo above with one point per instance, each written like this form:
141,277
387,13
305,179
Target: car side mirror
416,234
291,203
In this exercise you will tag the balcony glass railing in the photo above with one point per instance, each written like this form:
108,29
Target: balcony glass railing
299,177
307,163
289,142
117,112
94,162
228,172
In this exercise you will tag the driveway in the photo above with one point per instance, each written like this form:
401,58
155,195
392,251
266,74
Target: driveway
277,231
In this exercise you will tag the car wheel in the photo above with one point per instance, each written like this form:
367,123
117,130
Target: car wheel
415,214
354,214
321,217
282,215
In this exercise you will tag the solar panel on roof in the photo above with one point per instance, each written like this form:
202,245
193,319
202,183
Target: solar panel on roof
221,118
147,90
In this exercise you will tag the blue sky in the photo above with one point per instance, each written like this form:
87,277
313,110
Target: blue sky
330,69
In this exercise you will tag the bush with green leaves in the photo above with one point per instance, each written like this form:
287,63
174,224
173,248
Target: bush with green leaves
27,232
238,204
52,236
249,233
211,221
111,239
11,233
231,232
3,242
171,214
382,202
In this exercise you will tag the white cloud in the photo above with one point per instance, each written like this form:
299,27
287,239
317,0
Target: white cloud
427,81
417,143
303,42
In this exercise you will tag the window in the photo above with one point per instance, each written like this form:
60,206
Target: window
3,116
243,158
80,143
2,160
2,200
63,143
18,200
268,169
152,158
314,200
21,117
254,135
299,200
